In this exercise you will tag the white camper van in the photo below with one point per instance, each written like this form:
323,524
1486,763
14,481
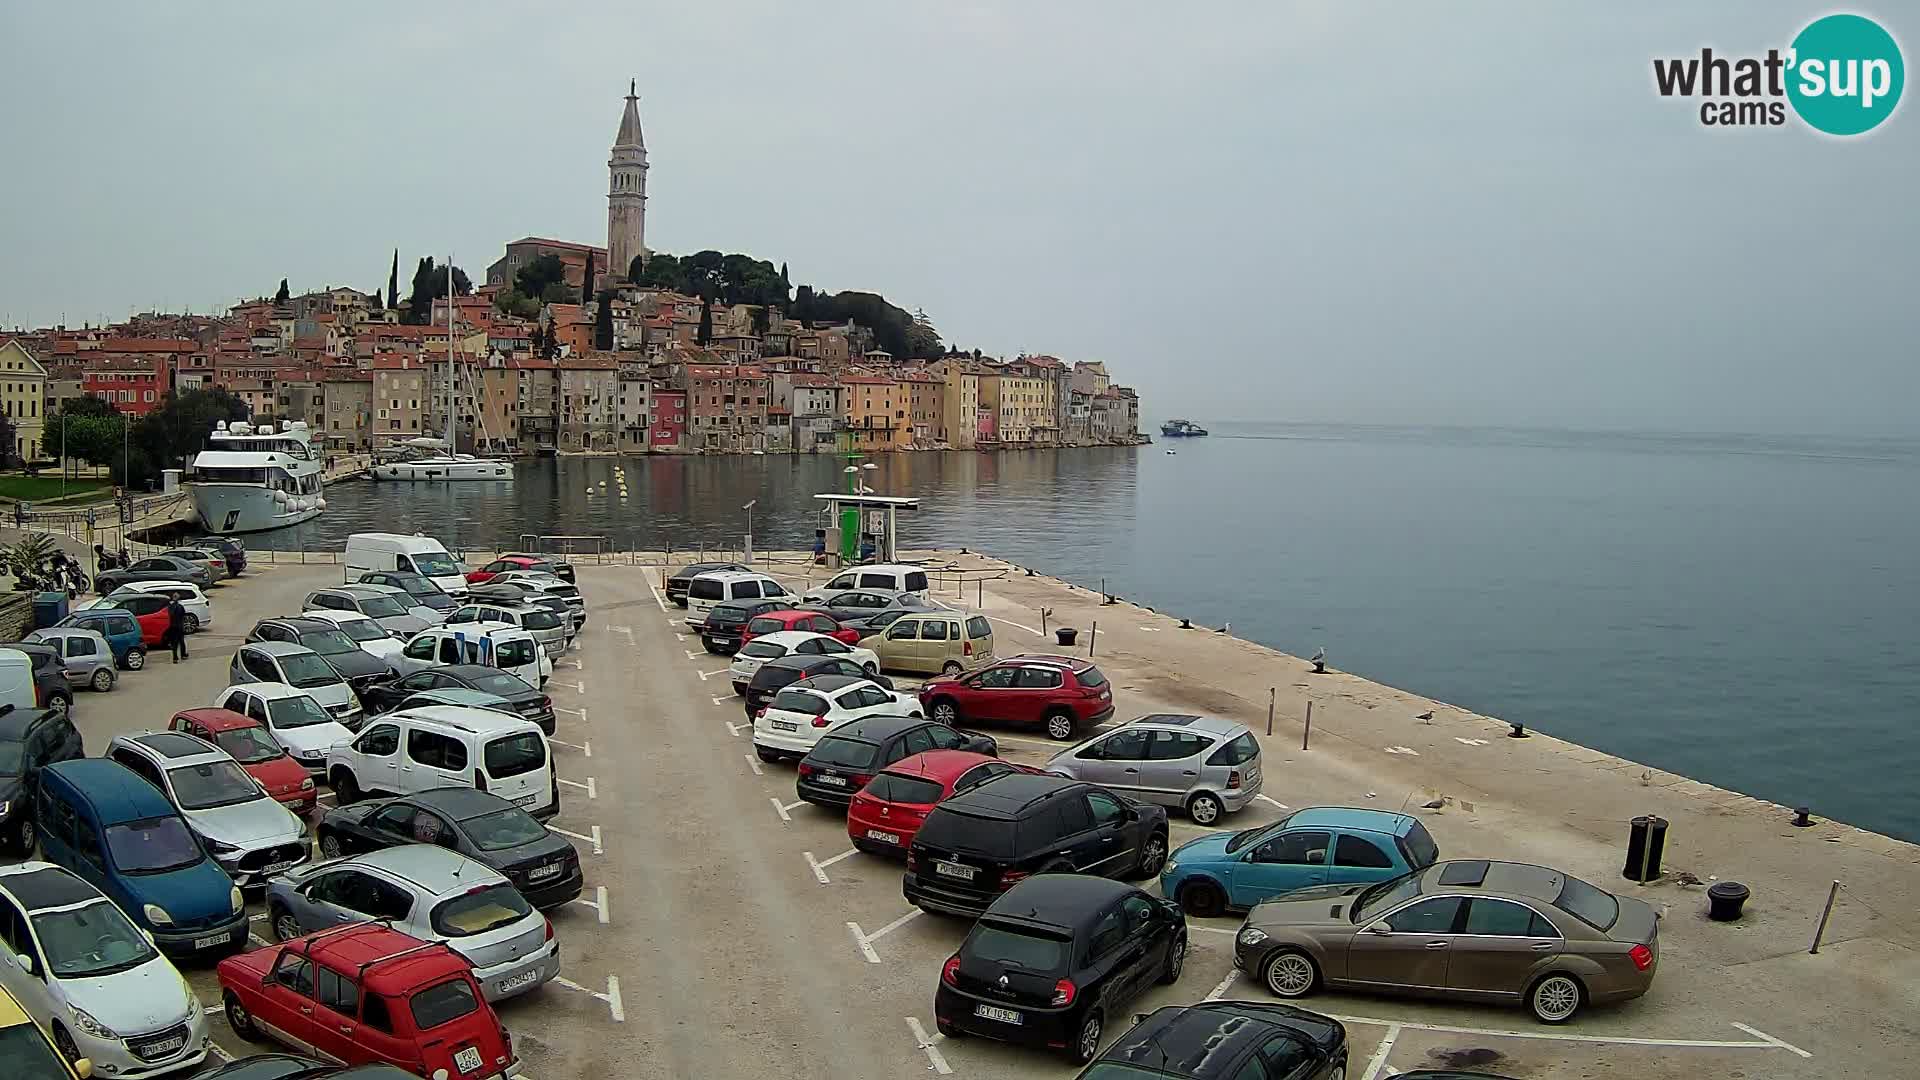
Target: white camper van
423,555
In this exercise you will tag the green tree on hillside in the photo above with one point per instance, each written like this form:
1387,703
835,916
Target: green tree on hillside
393,281
430,284
603,322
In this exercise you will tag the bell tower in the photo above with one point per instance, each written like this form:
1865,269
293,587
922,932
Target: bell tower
627,192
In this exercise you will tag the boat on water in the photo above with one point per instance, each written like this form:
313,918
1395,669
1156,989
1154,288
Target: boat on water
444,465
1182,428
252,478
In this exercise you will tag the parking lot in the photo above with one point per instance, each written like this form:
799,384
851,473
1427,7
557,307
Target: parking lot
728,930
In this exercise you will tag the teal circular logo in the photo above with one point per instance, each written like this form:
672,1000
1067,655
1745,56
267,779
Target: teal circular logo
1846,74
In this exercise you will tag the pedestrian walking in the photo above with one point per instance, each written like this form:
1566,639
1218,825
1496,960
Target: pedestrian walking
176,636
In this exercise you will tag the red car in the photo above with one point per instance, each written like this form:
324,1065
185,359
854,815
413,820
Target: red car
150,611
250,745
363,993
772,622
885,815
1063,694
510,562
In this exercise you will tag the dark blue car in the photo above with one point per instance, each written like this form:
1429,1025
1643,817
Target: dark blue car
100,820
1316,845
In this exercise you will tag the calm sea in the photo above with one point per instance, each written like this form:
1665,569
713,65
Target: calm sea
1741,609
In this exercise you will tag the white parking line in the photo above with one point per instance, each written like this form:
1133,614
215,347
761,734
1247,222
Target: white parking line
753,762
865,940
598,903
1010,622
1274,801
588,786
1214,929
779,808
580,712
1758,1034
931,1046
724,700
734,729
584,747
627,630
575,664
691,655
593,839
1047,743
219,1051
1379,1058
657,598
705,675
820,868
611,997
1763,1041
1225,985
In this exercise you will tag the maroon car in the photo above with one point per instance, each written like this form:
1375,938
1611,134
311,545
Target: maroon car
1063,694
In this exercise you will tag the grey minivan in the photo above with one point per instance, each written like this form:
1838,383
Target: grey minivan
1202,764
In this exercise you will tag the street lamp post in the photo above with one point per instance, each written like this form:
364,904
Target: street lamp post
749,544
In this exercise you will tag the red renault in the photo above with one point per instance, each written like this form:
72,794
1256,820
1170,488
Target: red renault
1063,694
363,993
249,744
886,813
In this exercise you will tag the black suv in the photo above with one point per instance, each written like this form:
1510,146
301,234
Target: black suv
683,577
360,668
777,674
979,843
1237,1040
30,740
847,759
1056,959
721,632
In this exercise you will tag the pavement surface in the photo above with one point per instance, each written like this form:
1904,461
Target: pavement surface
728,930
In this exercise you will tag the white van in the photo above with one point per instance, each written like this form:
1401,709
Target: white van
432,746
16,680
895,578
723,586
501,645
423,555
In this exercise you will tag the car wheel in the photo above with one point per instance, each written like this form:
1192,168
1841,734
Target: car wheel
1204,808
192,623
1555,998
345,788
1290,973
239,1021
1202,899
945,711
1060,725
1087,1042
102,680
63,1042
1153,856
330,845
766,754
285,926
136,659
951,668
23,838
61,703
1176,961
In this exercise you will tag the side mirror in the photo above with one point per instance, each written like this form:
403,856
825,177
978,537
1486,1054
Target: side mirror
23,962
1378,928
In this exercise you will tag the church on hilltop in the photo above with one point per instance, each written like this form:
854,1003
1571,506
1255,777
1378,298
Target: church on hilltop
626,217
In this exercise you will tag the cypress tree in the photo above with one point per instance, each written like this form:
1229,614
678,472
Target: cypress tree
586,281
393,281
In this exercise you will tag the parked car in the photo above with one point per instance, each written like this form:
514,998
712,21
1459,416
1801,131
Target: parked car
478,824
124,636
497,645
431,893
379,996
443,745
521,699
726,586
978,844
229,546
746,662
802,712
248,742
92,979
393,615
24,1047
103,822
1063,695
293,1067
419,587
297,722
198,609
1471,928
777,674
1055,959
720,634
212,560
554,631
30,740
301,668
455,695
150,612
426,613
241,825
772,622
846,760
536,584
1232,1040
415,554
514,562
885,814
893,579
946,643
156,568
531,594
862,609
85,656
678,581
549,564
1202,764
50,689
344,655
1315,845
372,638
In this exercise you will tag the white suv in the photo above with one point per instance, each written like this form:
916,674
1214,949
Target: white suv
434,746
806,710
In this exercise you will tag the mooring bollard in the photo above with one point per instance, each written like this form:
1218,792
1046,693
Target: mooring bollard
1272,693
1821,929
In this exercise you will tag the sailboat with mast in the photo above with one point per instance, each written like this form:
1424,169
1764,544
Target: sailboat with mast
446,465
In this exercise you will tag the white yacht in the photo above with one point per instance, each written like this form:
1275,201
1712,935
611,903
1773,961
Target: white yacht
251,478
445,464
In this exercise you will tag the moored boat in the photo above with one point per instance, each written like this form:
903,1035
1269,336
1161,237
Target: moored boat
251,478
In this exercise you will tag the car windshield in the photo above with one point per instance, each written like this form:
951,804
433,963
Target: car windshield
361,630
153,846
485,908
87,942
436,564
381,607
503,829
500,683
328,642
1385,895
846,753
248,745
10,755
1247,836
763,650
1016,947
296,712
306,669
28,1056
1591,905
211,784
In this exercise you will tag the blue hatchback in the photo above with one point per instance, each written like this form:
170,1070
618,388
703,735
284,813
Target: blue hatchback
1317,845
100,820
121,630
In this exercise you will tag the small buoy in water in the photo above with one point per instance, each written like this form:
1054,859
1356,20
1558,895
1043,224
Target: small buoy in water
1170,453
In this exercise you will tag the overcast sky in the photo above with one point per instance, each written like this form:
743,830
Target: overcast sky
1393,213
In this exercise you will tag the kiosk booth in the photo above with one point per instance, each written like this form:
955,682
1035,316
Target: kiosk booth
852,519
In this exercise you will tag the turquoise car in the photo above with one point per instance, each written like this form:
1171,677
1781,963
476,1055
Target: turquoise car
1317,845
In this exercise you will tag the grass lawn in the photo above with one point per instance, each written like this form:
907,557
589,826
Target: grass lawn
41,488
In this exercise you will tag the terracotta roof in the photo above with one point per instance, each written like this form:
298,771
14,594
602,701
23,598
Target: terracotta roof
866,380
568,245
809,379
147,345
587,363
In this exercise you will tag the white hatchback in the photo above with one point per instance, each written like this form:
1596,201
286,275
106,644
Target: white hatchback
291,716
790,643
803,712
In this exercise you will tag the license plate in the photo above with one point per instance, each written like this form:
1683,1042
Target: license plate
526,800
829,778
955,870
883,837
274,868
546,871
783,725
468,1060
714,639
164,1047
211,940
1005,1016
525,978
